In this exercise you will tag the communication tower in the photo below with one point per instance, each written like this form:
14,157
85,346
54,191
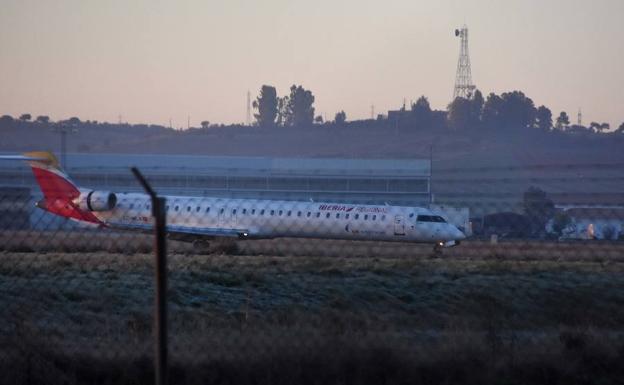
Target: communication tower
463,78
579,117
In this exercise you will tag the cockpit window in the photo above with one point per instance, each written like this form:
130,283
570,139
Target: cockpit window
430,218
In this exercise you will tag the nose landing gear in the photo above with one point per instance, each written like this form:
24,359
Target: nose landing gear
437,249
440,245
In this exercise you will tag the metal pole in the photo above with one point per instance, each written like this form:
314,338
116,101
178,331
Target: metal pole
160,275
161,291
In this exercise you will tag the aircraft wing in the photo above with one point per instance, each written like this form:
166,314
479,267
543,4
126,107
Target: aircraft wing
21,157
209,232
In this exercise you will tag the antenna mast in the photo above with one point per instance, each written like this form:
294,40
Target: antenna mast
579,117
463,77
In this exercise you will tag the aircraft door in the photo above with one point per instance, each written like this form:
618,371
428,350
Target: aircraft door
233,217
399,225
227,217
222,216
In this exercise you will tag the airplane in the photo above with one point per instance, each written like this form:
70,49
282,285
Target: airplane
207,218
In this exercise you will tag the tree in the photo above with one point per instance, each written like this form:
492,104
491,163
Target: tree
421,112
561,220
543,118
299,108
205,124
603,127
517,110
266,104
491,116
562,121
43,119
510,111
73,121
318,119
538,207
620,129
340,118
282,106
465,113
25,117
609,232
459,113
476,108
6,120
594,126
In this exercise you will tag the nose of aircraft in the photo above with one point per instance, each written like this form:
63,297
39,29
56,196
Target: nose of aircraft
458,235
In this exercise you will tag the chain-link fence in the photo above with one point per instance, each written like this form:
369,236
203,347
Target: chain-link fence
533,294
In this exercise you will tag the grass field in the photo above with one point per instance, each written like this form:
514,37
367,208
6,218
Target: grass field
317,312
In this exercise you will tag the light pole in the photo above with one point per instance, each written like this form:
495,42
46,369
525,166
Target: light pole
63,129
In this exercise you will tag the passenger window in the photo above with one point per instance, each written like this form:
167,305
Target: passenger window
177,208
261,212
234,212
272,212
318,215
374,217
298,213
253,211
308,214
289,213
207,209
197,209
167,208
244,211
383,217
366,217
357,216
221,211
337,215
347,216
327,216
280,213
188,208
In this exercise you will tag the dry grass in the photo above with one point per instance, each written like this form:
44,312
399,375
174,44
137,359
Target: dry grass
348,312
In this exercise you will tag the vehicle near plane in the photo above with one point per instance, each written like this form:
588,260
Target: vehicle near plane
206,218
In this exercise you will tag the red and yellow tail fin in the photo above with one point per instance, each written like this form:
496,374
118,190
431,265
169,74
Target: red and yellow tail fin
59,191
53,181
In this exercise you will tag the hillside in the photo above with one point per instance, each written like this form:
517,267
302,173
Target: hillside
354,140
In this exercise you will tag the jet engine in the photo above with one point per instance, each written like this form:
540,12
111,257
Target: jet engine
97,201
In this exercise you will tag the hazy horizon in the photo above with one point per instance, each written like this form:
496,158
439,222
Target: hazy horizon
152,61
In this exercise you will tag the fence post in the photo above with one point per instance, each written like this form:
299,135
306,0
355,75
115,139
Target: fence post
160,314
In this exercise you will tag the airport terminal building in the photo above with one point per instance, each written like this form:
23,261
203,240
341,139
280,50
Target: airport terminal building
365,181
398,182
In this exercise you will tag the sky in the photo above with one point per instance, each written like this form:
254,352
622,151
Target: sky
149,61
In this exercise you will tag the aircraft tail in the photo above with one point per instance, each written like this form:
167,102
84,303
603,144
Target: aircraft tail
53,181
60,194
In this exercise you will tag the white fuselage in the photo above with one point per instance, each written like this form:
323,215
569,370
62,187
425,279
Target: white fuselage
250,218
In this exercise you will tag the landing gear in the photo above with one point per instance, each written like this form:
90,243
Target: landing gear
437,249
